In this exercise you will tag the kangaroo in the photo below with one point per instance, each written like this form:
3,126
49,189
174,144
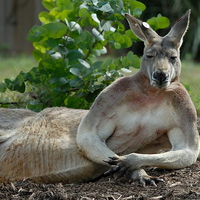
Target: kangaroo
135,117
125,129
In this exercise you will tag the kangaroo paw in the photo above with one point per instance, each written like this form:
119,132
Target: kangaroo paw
144,179
117,169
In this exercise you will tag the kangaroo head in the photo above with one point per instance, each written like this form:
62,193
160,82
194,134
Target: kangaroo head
161,59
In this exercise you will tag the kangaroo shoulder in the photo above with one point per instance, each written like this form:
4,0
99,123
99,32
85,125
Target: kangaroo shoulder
108,100
181,100
179,93
114,93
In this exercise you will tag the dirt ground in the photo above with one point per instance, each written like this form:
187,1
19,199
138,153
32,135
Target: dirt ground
178,185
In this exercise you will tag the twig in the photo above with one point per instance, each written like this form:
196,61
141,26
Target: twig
89,51
14,103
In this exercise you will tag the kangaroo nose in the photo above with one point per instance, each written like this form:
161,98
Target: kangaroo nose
160,76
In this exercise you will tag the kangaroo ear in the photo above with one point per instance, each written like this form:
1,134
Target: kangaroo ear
179,29
142,30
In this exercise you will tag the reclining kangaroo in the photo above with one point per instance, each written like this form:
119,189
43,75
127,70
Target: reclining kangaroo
128,124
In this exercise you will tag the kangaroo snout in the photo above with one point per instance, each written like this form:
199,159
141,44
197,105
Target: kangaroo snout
160,76
160,79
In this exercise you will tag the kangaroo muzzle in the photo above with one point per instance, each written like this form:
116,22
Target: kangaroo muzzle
160,79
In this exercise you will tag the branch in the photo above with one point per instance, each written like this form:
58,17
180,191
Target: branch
14,103
90,50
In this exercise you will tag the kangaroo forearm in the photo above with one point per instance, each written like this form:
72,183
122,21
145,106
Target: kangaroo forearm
95,150
171,160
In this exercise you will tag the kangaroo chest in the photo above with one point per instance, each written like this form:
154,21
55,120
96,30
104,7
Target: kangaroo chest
139,124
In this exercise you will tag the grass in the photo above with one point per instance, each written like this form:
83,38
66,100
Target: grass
190,77
10,68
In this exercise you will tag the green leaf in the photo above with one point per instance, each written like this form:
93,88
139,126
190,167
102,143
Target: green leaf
84,63
56,14
120,3
129,33
97,64
119,26
75,71
130,55
48,4
95,18
20,79
100,51
64,4
115,45
127,42
40,46
2,87
57,101
95,2
56,29
74,26
52,42
67,14
17,84
158,22
44,17
118,37
136,61
48,63
77,82
36,33
163,22
72,102
106,8
106,25
63,80
35,105
85,17
73,55
137,5
137,12
125,61
97,34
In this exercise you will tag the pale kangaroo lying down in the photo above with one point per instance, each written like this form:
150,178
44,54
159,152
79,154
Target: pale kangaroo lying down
125,129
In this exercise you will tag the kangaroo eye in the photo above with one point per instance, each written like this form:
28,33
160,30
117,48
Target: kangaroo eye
173,58
149,56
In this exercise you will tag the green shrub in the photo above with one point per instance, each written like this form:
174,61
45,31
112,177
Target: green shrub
72,35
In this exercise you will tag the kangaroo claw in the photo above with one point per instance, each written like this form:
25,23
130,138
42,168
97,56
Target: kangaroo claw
112,161
144,179
112,170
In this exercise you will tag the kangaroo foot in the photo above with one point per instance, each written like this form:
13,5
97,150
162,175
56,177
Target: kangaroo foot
144,179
